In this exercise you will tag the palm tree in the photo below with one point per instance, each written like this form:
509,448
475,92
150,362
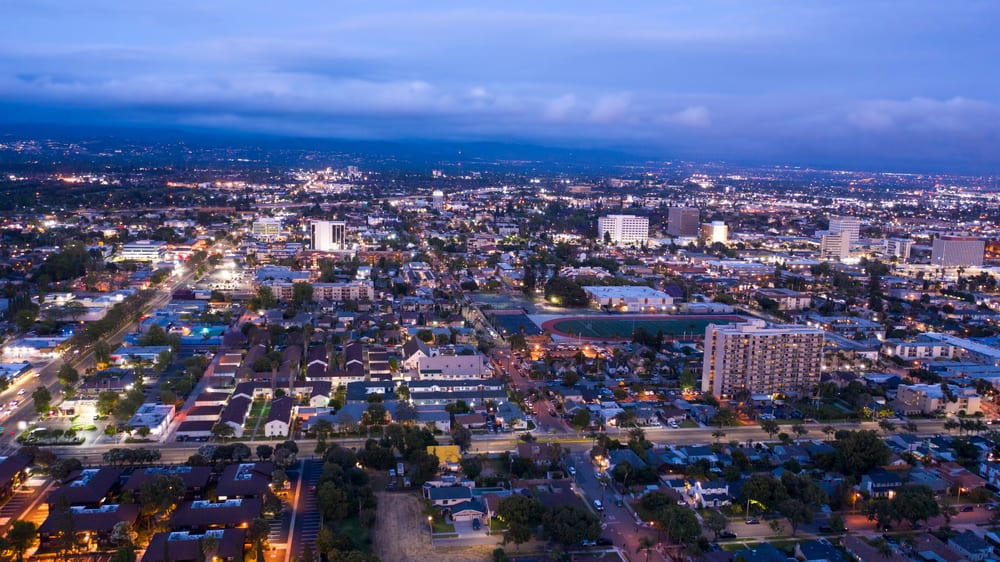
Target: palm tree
887,426
829,430
770,427
950,424
718,434
799,430
910,426
647,544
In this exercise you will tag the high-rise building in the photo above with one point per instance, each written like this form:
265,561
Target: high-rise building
715,231
850,225
835,246
328,236
760,359
957,251
897,248
623,229
266,229
437,199
683,221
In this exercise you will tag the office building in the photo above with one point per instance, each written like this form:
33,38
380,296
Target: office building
328,236
683,221
267,230
623,229
835,246
898,248
437,199
850,225
715,232
957,251
143,250
755,358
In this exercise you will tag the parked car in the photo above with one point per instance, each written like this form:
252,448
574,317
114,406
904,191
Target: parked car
598,505
727,535
572,471
753,521
586,542
476,524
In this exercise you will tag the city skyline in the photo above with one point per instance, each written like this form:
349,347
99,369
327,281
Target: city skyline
861,87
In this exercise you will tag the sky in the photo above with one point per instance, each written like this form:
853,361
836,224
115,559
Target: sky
856,84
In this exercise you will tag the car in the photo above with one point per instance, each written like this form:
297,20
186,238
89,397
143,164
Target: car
753,521
476,524
967,509
13,403
673,425
598,505
21,392
572,470
727,535
586,542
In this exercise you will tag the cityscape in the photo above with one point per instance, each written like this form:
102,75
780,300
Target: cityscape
313,291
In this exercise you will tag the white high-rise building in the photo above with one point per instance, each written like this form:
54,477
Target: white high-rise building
760,359
328,236
850,225
897,248
957,251
835,246
623,229
715,231
266,229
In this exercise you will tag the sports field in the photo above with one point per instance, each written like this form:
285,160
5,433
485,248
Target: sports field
621,327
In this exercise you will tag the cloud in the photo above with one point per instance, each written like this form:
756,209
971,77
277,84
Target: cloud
695,117
611,109
925,115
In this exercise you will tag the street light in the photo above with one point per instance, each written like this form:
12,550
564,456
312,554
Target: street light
430,524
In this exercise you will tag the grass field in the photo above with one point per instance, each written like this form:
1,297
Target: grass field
622,327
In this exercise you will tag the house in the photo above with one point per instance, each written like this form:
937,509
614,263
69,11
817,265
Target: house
244,480
472,420
13,470
155,417
195,478
94,523
194,430
712,494
87,487
881,484
279,417
626,456
818,551
184,546
539,453
445,496
861,551
764,552
928,547
969,545
235,414
467,511
206,514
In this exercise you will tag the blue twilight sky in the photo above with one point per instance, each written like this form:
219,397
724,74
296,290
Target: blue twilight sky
902,85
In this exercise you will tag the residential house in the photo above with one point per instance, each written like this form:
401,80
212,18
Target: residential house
539,453
195,478
279,418
445,496
235,414
881,484
969,545
88,487
468,510
860,551
244,480
928,547
184,546
205,514
818,551
711,494
95,523
764,552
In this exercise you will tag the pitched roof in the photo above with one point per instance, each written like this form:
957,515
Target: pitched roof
181,546
228,513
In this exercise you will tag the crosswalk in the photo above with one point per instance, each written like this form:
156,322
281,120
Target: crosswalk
307,521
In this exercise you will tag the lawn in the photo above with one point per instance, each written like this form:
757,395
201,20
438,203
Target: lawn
689,423
604,327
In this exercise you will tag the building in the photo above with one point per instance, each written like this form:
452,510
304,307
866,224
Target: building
753,357
933,398
957,251
898,248
328,236
849,225
922,349
155,417
279,417
144,250
683,221
182,546
715,232
787,299
363,290
629,298
437,199
969,545
267,230
835,246
623,229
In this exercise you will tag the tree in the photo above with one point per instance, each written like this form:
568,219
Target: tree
857,452
724,417
124,553
67,375
405,412
20,537
646,544
257,531
102,353
715,522
302,293
461,436
800,431
679,522
764,490
796,512
264,452
718,434
159,494
522,514
914,502
43,400
770,427
570,524
223,430
581,419
887,426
